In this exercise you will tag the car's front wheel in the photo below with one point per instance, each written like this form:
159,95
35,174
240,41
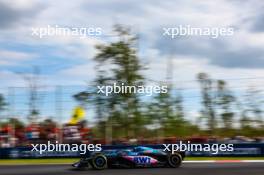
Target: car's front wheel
99,162
174,160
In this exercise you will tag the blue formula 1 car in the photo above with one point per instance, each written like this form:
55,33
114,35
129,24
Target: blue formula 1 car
131,158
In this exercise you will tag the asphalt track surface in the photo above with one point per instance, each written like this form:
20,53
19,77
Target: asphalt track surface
186,169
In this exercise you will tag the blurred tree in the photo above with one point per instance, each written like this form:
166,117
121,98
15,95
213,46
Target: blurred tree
208,101
47,129
48,123
225,100
3,106
102,106
244,120
160,111
3,103
167,114
251,121
82,97
254,101
120,63
16,123
179,107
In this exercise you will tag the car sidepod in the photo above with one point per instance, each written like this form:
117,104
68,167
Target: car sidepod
142,161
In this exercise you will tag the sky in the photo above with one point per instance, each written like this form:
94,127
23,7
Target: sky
68,60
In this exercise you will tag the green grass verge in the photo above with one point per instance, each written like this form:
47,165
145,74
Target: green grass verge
36,161
71,160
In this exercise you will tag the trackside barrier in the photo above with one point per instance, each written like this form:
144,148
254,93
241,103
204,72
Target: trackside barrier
240,150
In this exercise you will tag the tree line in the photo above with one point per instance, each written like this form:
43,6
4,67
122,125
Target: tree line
128,115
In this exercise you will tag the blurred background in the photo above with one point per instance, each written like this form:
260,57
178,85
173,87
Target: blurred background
39,113
49,85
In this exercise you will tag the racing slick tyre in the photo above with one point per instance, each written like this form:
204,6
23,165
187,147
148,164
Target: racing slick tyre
174,160
99,162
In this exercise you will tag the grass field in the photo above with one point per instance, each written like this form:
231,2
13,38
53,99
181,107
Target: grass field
71,160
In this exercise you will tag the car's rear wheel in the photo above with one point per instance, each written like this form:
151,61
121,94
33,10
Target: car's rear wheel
174,160
99,162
